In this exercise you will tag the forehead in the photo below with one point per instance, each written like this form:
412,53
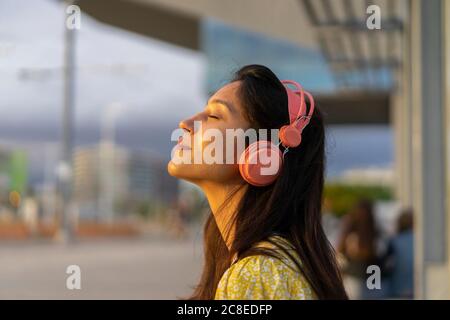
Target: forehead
229,95
228,92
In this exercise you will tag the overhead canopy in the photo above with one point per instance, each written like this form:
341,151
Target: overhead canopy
360,55
178,21
335,27
355,108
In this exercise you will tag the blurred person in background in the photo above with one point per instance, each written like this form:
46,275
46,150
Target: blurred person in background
359,246
400,257
261,242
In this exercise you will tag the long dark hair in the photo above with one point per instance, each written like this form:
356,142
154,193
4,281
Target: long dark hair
290,207
361,222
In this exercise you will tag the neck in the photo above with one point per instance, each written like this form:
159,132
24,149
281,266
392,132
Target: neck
223,206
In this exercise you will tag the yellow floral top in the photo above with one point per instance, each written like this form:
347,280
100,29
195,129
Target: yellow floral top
261,277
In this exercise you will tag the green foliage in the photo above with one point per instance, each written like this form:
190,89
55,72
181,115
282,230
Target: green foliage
143,209
340,198
18,171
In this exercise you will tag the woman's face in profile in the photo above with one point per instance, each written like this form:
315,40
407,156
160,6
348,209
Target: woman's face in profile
201,154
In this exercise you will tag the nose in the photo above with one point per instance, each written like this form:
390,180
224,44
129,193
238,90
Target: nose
186,125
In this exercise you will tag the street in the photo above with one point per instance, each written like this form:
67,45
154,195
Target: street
110,269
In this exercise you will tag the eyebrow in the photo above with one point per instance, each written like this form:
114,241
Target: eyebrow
223,102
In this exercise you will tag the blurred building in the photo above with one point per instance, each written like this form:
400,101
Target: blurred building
4,172
369,176
110,181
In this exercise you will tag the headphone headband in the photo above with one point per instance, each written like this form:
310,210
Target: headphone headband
297,104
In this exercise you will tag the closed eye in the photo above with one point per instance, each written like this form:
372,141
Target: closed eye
212,116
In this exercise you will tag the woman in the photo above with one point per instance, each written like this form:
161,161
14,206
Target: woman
358,245
261,242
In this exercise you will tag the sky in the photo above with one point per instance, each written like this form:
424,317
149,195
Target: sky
153,80
155,83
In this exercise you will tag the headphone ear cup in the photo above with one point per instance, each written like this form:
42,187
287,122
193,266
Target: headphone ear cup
290,136
261,163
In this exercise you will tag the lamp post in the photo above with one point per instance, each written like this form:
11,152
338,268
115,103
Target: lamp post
64,170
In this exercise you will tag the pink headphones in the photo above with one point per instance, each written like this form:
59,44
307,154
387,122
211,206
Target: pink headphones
250,166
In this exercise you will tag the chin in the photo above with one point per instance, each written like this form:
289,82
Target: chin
172,169
180,171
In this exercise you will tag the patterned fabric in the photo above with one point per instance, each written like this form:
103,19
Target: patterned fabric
262,277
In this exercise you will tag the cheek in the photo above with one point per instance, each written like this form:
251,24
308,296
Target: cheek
220,148
228,141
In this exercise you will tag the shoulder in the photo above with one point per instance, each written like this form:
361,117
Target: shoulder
262,277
